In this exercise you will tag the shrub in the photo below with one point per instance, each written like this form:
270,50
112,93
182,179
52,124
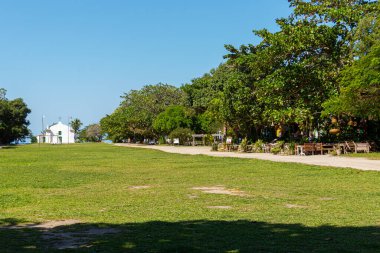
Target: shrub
277,147
209,139
244,145
33,139
275,150
258,146
161,140
214,147
183,134
289,148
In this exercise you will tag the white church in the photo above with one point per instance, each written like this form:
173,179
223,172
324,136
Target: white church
58,133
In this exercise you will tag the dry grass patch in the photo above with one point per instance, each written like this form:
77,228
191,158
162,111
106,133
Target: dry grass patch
220,190
138,187
295,206
219,207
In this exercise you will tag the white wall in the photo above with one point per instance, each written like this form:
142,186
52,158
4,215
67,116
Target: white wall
61,134
67,133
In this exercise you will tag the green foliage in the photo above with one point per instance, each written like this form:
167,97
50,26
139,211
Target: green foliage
118,126
208,123
76,125
173,117
294,71
291,148
13,119
258,146
135,116
323,58
183,134
243,147
161,140
360,92
275,150
278,147
214,146
33,139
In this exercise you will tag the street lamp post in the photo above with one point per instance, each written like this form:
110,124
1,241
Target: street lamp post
42,129
68,129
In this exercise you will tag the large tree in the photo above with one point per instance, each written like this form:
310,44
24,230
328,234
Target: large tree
359,91
173,117
360,88
13,119
292,72
135,116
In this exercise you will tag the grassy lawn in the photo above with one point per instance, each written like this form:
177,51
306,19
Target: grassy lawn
117,199
372,155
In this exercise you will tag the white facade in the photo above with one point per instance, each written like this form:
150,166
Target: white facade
57,134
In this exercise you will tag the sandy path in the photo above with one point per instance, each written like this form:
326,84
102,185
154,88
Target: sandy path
322,160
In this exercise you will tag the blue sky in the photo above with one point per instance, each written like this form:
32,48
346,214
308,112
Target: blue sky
77,57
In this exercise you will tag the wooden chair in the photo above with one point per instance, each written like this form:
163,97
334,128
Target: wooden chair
318,148
349,147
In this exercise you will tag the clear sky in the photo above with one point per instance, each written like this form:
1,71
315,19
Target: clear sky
77,57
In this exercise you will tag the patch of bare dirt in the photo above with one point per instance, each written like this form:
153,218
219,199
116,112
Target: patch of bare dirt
326,198
53,232
46,225
192,196
219,207
137,187
295,206
220,190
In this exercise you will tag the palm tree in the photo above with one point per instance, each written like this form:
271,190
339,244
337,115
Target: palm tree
75,125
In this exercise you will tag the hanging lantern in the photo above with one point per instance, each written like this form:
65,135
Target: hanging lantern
334,120
350,123
334,131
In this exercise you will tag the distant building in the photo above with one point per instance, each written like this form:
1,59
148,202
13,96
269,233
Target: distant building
57,134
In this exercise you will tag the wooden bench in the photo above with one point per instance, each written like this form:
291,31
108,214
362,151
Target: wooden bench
349,147
364,146
353,147
309,148
327,147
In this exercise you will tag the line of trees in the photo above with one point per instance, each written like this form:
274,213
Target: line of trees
323,62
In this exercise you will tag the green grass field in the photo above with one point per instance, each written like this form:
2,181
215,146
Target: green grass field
135,200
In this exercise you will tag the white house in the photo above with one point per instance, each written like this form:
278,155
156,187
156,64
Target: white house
57,134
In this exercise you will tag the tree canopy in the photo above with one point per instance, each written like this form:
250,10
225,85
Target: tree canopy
13,119
322,61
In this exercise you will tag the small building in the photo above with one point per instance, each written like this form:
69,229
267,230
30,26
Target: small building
58,133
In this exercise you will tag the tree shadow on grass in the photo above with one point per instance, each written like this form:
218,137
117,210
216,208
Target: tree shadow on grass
8,147
187,236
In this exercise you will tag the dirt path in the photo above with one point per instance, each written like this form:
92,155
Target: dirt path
322,160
